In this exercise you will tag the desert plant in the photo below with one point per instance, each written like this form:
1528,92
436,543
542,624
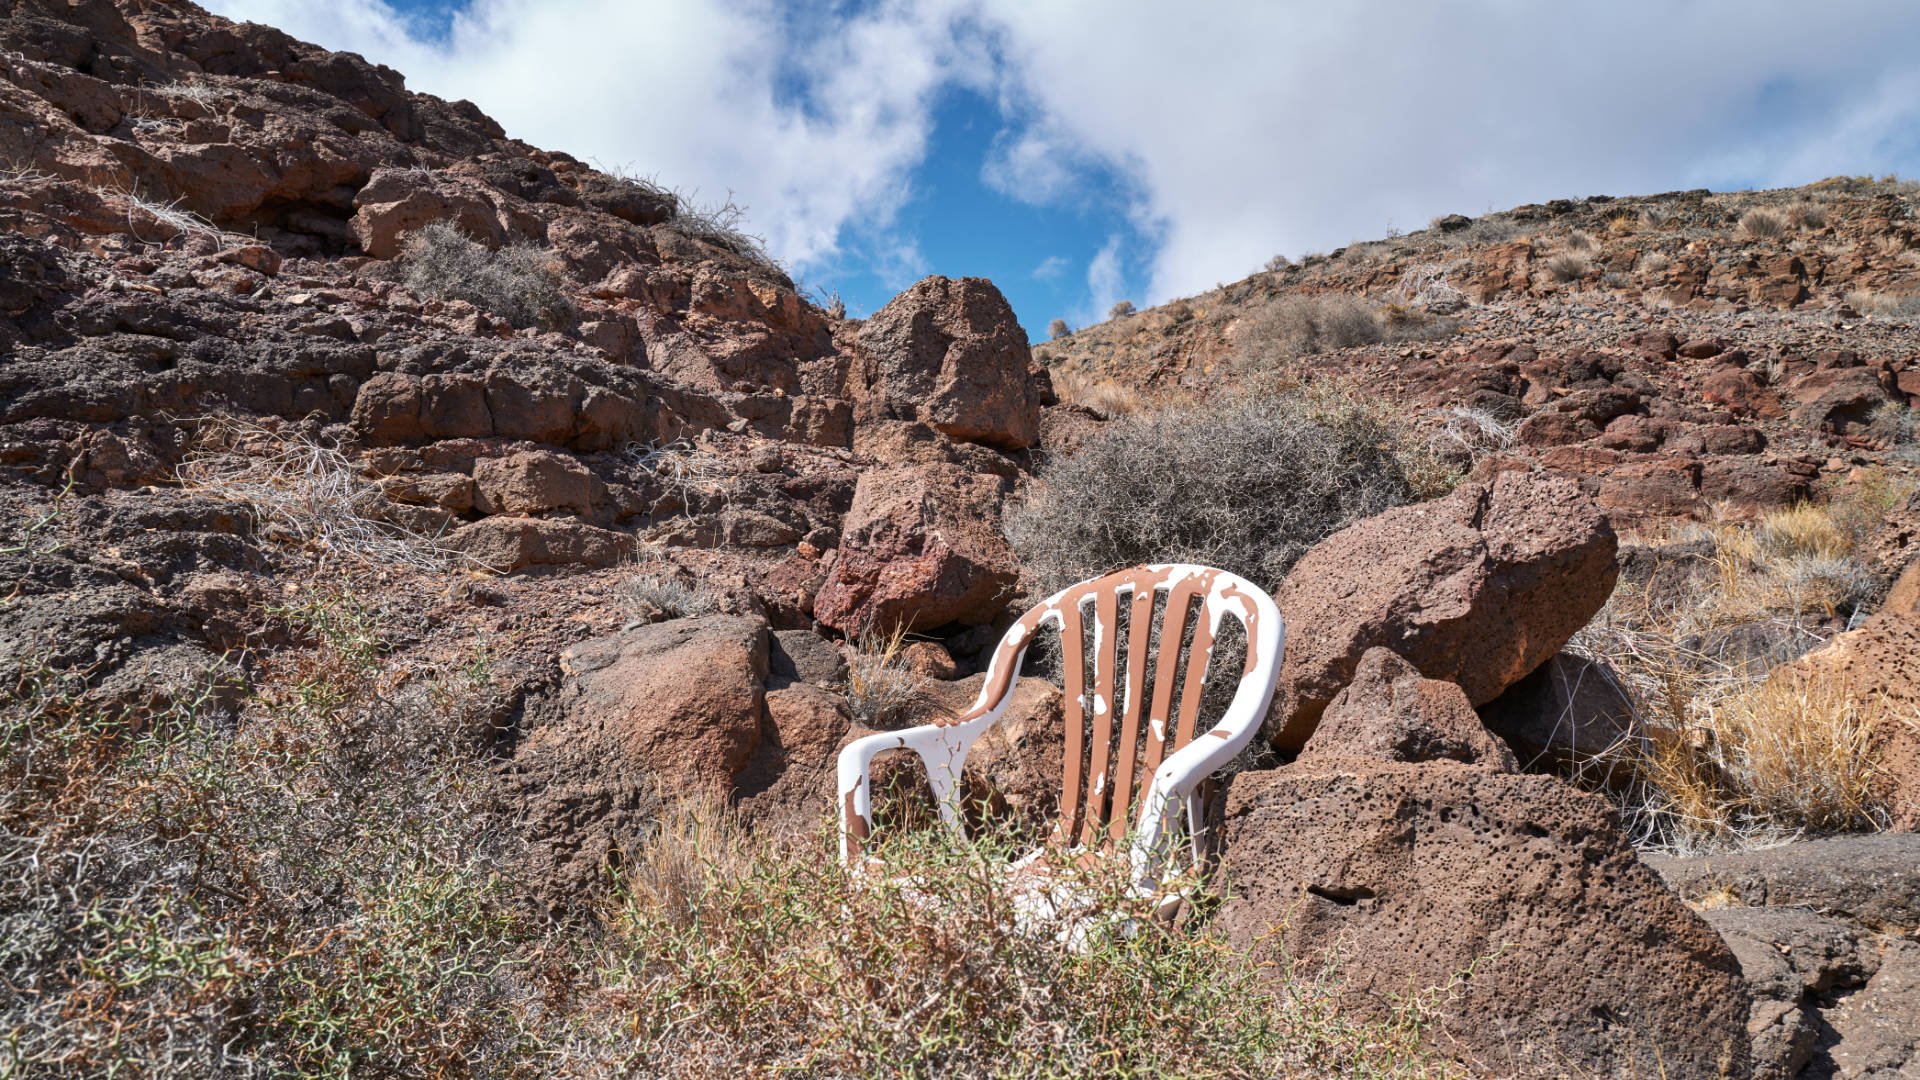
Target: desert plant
1120,309
1579,240
1654,217
1807,215
783,961
1654,262
1247,486
882,692
520,283
304,492
1567,267
1058,329
1106,396
1762,224
1277,264
1886,305
656,592
1296,326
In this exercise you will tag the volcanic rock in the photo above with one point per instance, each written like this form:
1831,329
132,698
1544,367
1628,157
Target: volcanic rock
1389,712
951,353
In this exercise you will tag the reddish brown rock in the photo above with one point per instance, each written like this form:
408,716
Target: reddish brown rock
396,202
1568,713
920,547
675,708
387,409
506,544
1389,712
1839,399
1478,589
788,782
951,353
531,482
1741,391
1578,960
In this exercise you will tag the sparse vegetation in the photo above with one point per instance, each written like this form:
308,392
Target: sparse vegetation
1058,329
1277,264
1579,240
1733,754
1761,224
882,692
1567,267
305,493
1106,396
520,283
1807,215
1120,309
1655,217
1885,305
1247,487
657,592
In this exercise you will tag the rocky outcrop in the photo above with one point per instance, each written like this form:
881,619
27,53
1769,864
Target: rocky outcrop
1824,933
1570,955
921,547
1478,589
1390,712
951,353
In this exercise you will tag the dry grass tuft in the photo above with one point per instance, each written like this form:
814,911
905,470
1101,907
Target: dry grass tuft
1886,305
882,692
1106,396
1762,225
1567,267
658,592
1735,754
1807,215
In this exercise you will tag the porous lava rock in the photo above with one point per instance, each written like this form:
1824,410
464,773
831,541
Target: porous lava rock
1573,957
506,544
674,708
1478,588
921,546
1792,959
1390,712
950,352
531,482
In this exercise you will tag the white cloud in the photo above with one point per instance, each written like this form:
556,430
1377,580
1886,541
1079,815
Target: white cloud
1105,281
1234,131
1050,267
1256,129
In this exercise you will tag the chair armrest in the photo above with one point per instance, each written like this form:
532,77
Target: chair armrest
942,749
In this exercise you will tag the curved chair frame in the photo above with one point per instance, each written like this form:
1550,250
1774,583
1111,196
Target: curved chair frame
1091,816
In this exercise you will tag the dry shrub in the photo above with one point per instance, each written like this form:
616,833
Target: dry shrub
1120,309
882,692
306,493
658,591
310,890
520,283
1296,326
1806,215
1620,224
1762,224
1653,262
1579,240
1567,267
1654,217
1058,329
1106,396
776,960
1886,305
1247,487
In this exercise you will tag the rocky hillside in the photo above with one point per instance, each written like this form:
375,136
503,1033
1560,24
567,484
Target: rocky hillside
1681,350
409,536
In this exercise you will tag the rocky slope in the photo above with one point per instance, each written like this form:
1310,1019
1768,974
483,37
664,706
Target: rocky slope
650,492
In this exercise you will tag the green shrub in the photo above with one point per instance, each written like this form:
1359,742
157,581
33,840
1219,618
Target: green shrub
520,283
1247,487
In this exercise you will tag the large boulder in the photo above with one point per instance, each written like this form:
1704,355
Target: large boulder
1572,958
1390,712
1840,400
951,353
1478,589
920,547
1793,961
531,482
396,202
675,708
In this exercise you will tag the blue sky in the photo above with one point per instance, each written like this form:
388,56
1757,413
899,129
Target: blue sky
1079,152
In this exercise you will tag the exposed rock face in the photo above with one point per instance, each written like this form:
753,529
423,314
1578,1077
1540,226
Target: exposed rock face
921,547
1567,712
1824,932
951,353
1581,961
1389,712
1478,589
671,709
506,544
532,482
1873,880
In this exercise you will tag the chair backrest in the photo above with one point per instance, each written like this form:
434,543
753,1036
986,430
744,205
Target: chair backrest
1106,771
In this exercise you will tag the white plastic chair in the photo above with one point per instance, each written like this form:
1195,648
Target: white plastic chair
1172,761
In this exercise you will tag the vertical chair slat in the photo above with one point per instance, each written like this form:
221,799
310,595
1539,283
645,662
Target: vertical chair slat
1106,615
1139,631
1173,628
1198,660
1074,676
